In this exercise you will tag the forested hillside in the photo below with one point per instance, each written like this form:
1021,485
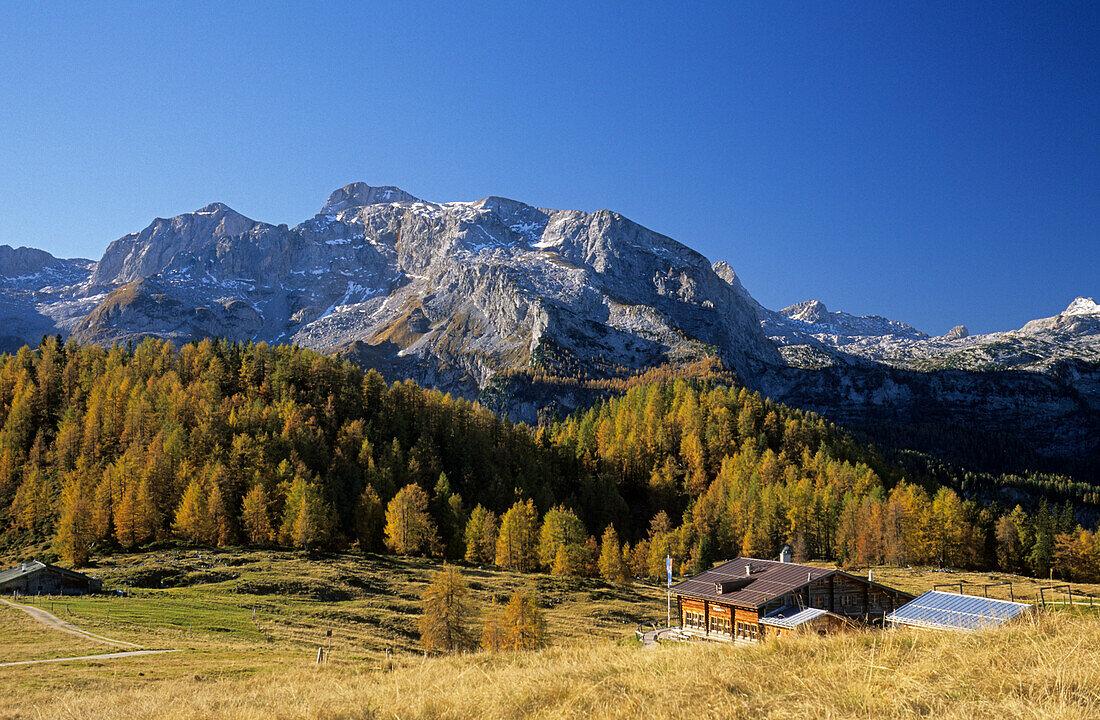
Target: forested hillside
228,443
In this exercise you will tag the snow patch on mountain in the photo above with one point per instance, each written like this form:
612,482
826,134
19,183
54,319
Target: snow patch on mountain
1082,306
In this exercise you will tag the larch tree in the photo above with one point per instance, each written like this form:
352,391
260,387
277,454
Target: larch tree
446,613
523,626
32,509
1007,539
946,528
613,567
369,519
481,536
492,631
561,531
518,537
74,528
224,523
307,518
193,522
410,529
256,516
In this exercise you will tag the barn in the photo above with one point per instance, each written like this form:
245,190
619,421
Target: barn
747,599
39,578
938,610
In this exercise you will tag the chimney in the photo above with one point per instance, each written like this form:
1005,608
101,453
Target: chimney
785,554
748,569
870,575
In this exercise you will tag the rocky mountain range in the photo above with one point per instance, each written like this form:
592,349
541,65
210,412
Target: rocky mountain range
456,294
810,336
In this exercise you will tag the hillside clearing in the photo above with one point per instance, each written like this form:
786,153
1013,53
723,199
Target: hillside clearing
235,665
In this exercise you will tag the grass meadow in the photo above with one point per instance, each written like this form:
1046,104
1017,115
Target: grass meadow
249,625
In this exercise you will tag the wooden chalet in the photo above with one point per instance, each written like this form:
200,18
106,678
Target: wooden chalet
39,578
748,598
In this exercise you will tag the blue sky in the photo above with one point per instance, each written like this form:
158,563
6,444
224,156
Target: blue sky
933,163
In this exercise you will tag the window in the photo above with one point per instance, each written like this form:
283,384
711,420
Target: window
693,619
720,625
748,631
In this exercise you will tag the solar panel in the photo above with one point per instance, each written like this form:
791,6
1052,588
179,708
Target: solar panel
949,611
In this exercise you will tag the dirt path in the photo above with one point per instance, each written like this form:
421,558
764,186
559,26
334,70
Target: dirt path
51,620
105,656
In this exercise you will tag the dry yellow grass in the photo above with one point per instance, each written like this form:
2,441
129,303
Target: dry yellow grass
236,668
24,638
1046,668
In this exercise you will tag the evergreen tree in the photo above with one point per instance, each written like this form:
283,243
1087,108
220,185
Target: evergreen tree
1042,551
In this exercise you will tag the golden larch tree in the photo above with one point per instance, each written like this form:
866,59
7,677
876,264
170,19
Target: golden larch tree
409,526
446,613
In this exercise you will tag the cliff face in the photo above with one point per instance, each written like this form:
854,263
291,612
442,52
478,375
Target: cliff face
451,293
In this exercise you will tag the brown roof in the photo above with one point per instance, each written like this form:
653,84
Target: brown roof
768,581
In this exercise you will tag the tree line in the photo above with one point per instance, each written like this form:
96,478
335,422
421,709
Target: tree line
223,443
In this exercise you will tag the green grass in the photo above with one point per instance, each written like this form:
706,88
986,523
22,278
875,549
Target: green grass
359,606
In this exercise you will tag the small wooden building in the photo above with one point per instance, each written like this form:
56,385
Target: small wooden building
793,619
747,599
39,578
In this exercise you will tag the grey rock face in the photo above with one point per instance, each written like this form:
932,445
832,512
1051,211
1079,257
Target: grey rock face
31,282
810,336
360,195
451,293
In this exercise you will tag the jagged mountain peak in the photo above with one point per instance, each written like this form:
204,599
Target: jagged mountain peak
153,249
809,311
359,194
1082,306
215,207
723,270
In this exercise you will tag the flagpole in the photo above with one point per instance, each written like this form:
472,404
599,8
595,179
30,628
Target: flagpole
668,592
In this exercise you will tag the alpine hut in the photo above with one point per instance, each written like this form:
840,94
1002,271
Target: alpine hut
748,599
39,578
